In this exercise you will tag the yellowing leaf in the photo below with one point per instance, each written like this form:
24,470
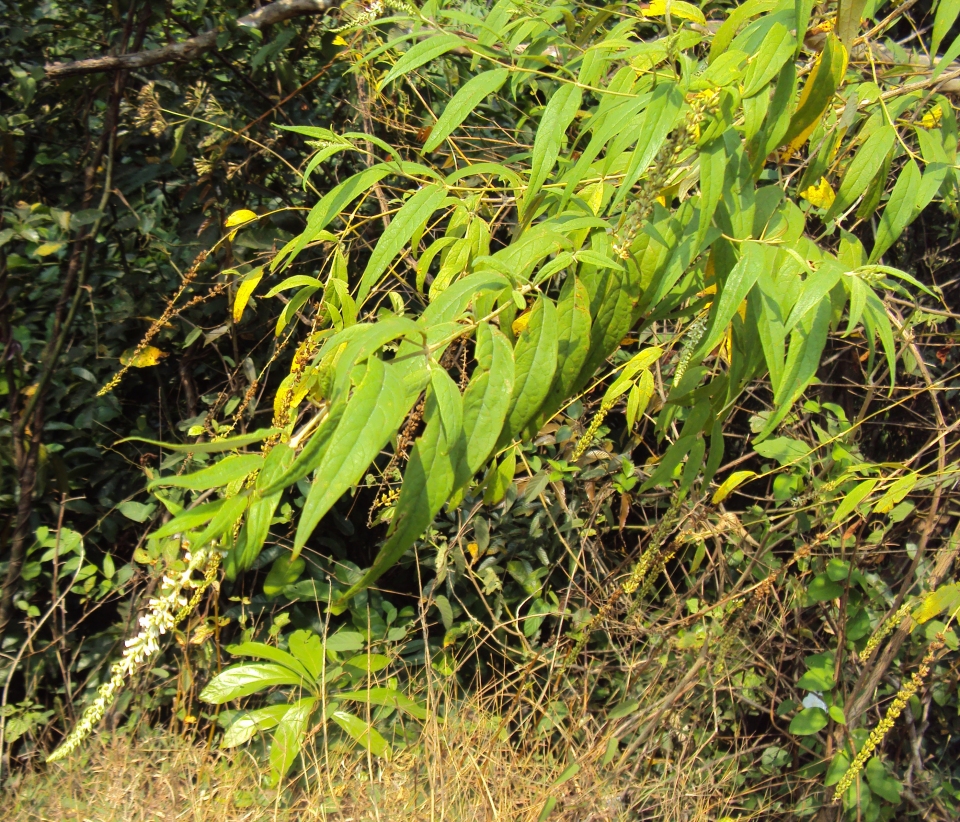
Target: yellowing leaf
339,41
932,118
820,195
46,249
244,215
685,11
817,94
144,359
520,323
945,598
245,291
730,483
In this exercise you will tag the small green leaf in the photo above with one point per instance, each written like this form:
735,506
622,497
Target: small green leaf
899,211
229,444
223,473
421,54
405,222
245,679
853,499
557,117
465,101
284,571
862,169
535,358
288,738
388,697
372,416
362,734
736,479
248,725
809,721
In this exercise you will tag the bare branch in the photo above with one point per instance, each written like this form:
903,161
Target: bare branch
275,12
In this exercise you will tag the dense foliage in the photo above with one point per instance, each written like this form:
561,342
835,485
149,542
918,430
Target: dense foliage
603,361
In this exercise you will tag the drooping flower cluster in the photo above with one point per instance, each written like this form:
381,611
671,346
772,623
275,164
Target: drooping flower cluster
163,613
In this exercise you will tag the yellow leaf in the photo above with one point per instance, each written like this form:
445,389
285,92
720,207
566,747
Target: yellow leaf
473,549
820,195
144,359
244,215
685,11
339,41
945,598
47,249
245,291
932,118
520,323
730,483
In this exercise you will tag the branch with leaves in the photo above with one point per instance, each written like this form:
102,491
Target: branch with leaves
191,48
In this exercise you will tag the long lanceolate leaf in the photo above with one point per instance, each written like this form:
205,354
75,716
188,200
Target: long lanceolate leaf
463,103
429,478
536,362
486,400
371,417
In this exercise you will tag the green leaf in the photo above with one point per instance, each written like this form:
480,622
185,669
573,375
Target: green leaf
248,725
421,54
230,444
225,519
298,281
895,494
413,214
223,473
784,450
189,519
388,697
136,511
256,528
344,641
245,679
849,13
535,357
428,480
807,341
289,736
485,400
853,499
369,663
778,47
658,121
362,734
307,647
465,101
882,783
557,117
500,478
815,289
573,341
332,203
310,456
738,15
259,650
735,289
809,721
900,209
371,418
947,11
862,169
824,589
284,571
